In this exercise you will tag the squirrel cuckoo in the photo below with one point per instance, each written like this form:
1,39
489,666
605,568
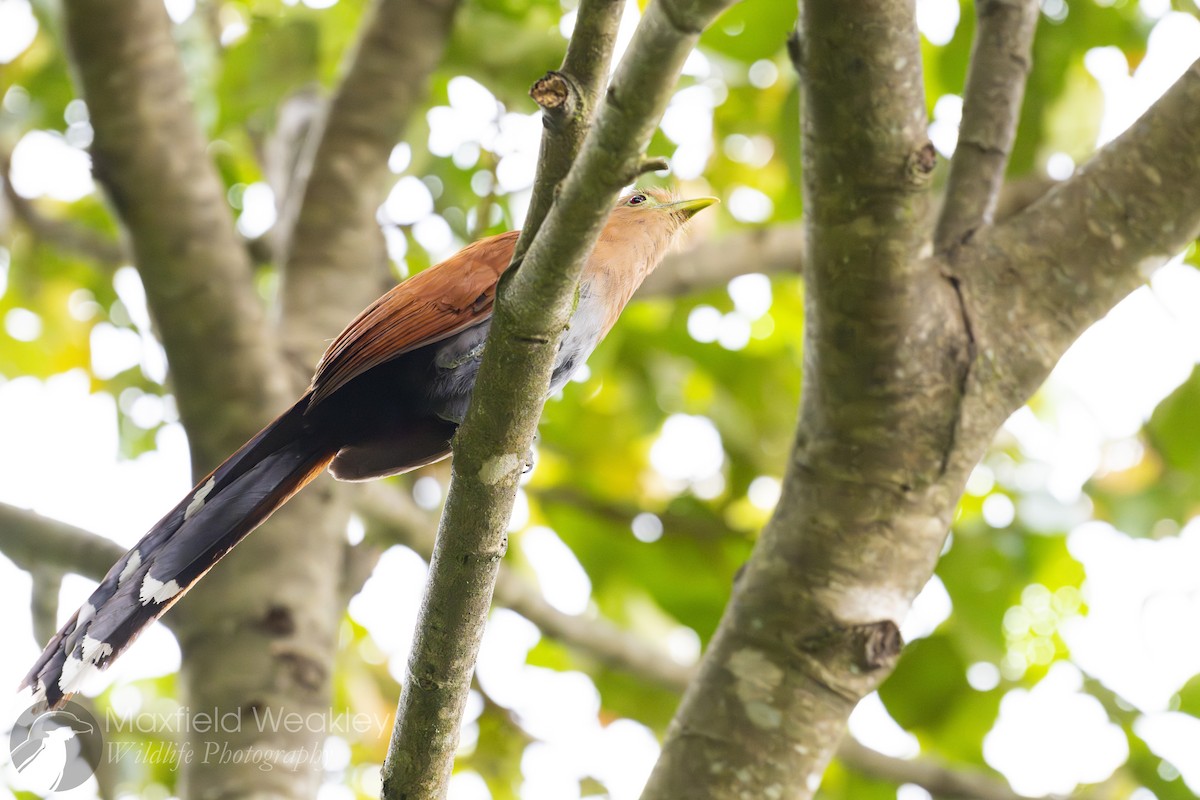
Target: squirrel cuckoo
386,398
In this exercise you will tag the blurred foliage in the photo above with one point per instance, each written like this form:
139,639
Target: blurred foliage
1160,492
1012,581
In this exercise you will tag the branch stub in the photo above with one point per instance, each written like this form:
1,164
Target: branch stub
921,163
551,91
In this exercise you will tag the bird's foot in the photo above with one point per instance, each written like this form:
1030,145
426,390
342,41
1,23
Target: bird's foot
530,460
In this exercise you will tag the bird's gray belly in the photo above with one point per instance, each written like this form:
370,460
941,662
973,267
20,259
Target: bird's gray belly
456,365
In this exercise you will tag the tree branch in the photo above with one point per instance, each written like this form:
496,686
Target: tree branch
779,249
1000,62
906,379
706,264
336,262
532,309
938,780
43,601
403,522
568,99
699,529
1052,270
812,625
596,637
286,155
73,238
30,540
335,265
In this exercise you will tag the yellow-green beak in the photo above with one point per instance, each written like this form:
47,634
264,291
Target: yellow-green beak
688,208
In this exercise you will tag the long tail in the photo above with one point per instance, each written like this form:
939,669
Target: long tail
217,514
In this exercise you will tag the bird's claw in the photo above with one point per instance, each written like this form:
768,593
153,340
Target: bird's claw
528,463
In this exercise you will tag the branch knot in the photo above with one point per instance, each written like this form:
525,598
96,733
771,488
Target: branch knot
920,163
880,644
557,97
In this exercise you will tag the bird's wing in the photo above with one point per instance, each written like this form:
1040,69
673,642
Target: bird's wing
428,307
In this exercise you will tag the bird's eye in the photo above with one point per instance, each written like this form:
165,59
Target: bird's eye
636,200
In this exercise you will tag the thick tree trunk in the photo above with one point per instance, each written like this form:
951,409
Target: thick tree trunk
258,634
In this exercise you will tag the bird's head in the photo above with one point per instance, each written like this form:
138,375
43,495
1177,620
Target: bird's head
657,210
638,234
642,226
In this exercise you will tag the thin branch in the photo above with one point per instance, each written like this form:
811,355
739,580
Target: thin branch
1000,63
568,99
699,529
68,236
1033,283
48,548
64,234
596,637
938,780
43,601
30,540
336,260
401,519
532,309
778,249
358,563
73,237
286,154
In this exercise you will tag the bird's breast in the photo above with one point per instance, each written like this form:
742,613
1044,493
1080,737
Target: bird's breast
455,366
456,360
588,325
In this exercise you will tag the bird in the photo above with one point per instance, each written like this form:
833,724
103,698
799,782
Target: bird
44,760
386,398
